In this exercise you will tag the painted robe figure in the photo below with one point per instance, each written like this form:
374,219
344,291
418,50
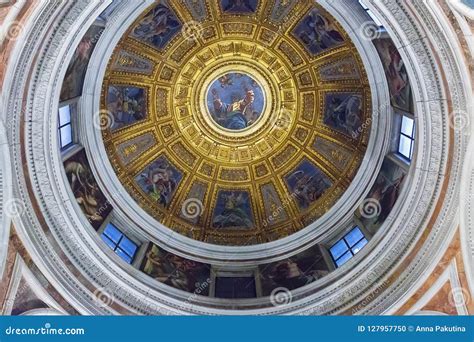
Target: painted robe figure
160,183
343,112
234,213
88,195
237,115
126,104
175,271
158,27
317,33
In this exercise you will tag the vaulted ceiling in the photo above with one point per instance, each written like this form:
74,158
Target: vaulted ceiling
236,122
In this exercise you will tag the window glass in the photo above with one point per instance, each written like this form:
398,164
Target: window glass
348,246
339,249
119,243
343,259
359,246
113,233
404,147
64,115
108,242
407,126
65,127
354,236
65,134
124,255
127,246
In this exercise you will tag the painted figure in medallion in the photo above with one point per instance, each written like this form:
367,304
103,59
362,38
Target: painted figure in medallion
235,101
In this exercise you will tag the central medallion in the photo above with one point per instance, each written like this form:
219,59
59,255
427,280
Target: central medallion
235,101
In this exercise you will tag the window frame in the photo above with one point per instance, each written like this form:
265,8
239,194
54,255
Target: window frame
60,126
411,138
117,244
348,245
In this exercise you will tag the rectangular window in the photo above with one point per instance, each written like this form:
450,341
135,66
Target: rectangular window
119,243
407,138
348,246
65,127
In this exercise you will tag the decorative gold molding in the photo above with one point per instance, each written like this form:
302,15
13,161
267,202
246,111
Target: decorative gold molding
265,153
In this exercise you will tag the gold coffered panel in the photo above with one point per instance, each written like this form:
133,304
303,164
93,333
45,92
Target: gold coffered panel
236,123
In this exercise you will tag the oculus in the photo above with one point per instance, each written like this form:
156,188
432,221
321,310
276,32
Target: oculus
235,101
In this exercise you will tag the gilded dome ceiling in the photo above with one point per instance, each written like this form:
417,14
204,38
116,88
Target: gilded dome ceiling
236,122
